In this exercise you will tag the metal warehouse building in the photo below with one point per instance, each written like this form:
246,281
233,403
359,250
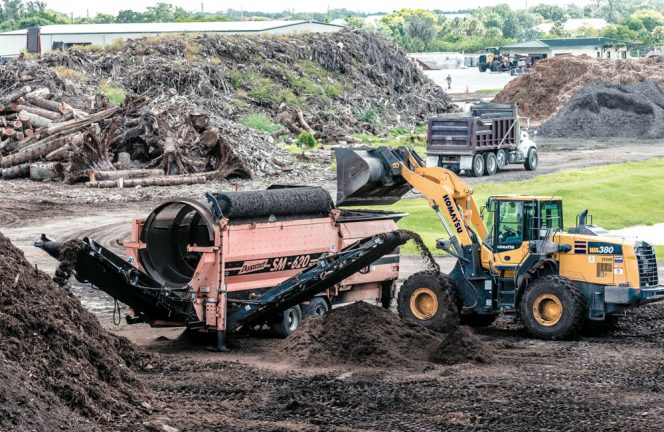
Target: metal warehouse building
50,37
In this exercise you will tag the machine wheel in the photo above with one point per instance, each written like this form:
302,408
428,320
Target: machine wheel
501,159
476,320
427,298
531,160
490,163
289,322
316,307
477,169
552,307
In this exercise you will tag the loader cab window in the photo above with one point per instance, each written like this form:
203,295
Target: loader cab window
489,217
551,218
509,225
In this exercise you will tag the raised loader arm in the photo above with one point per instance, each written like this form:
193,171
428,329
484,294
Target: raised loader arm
383,175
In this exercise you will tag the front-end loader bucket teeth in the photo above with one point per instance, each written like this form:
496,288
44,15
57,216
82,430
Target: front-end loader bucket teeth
366,177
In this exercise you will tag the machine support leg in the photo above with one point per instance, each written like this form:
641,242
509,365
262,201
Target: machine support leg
221,341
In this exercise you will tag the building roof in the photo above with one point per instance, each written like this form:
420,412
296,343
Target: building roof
567,43
177,27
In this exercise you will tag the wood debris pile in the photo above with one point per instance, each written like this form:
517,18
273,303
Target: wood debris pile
190,101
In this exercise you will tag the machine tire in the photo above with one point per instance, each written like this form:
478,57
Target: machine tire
289,321
501,159
552,307
477,169
490,163
532,159
427,298
476,320
317,306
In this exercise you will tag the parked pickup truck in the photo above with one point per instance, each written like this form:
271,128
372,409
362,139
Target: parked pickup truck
481,141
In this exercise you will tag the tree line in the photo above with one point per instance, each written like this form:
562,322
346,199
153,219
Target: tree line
414,29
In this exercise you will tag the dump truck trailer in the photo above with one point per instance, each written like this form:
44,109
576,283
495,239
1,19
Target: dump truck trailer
482,141
245,259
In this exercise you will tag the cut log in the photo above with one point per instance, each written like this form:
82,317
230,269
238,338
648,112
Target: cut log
153,181
4,144
77,124
19,171
209,138
29,132
125,174
40,171
19,136
200,121
41,112
33,152
41,92
59,154
50,105
16,94
8,132
36,120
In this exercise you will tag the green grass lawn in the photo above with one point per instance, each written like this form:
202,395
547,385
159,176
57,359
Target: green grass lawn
617,196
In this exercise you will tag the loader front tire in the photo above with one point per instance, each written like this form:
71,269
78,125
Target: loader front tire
427,298
552,307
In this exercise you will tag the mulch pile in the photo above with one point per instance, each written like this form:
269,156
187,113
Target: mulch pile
364,335
58,367
609,110
551,84
188,98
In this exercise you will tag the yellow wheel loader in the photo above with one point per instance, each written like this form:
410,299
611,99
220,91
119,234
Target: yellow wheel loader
513,256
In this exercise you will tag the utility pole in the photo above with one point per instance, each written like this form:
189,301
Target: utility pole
202,9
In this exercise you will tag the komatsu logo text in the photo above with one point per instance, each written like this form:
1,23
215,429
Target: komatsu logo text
456,221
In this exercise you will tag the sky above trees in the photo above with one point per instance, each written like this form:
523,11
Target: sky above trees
83,7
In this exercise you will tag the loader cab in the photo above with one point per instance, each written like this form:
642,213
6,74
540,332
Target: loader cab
513,221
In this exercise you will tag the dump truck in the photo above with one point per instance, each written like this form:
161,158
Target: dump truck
242,260
513,256
482,141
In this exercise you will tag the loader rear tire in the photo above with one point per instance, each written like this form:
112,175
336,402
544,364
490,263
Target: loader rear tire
552,307
288,321
427,298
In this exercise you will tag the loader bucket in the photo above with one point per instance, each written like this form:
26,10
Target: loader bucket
366,177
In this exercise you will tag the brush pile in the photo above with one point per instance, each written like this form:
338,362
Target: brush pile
202,106
550,85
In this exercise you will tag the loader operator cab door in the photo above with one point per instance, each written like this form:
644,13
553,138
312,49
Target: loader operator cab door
507,224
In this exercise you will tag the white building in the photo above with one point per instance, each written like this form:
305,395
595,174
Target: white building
54,36
599,47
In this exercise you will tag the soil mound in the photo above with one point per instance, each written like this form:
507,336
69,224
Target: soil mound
552,82
364,335
610,110
53,350
459,346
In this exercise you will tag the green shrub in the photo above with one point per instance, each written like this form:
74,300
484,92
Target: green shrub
367,115
260,122
115,95
306,140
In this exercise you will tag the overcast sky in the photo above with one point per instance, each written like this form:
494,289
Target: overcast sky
83,7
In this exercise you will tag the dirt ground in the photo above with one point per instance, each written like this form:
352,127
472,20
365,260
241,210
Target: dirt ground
614,382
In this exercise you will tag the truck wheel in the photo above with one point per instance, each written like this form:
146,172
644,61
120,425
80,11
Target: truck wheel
490,163
316,307
531,160
476,320
288,322
501,159
427,298
553,308
477,169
